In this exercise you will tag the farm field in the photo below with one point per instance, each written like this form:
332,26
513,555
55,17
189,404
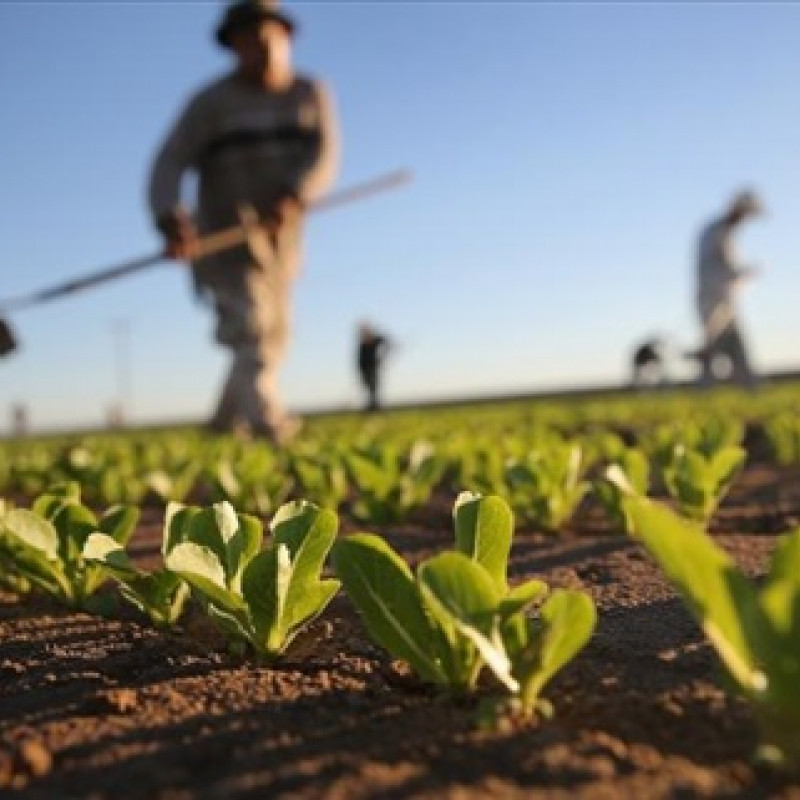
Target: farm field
96,702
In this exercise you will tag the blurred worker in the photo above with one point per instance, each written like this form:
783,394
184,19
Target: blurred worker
19,419
719,277
649,363
372,350
262,140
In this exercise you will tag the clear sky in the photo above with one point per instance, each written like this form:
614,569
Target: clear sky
565,156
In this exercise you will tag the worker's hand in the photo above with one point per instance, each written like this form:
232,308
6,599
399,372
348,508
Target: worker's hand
747,274
286,211
180,234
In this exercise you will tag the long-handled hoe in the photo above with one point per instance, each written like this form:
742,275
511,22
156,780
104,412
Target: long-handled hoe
209,245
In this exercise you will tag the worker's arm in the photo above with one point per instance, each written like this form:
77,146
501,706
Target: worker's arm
323,164
176,156
317,176
727,255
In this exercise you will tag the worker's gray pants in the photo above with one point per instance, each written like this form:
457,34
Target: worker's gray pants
730,344
252,303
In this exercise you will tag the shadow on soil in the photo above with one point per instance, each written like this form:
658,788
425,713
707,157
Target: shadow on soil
646,679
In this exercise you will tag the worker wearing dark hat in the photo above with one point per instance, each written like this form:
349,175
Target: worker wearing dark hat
247,12
261,140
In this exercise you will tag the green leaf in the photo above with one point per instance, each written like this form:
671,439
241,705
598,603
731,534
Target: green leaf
32,544
119,523
264,585
57,494
725,464
484,528
567,620
242,547
308,532
161,595
380,585
282,585
521,597
102,549
30,530
201,567
74,524
785,564
176,525
721,598
461,586
780,599
281,601
492,651
226,520
463,598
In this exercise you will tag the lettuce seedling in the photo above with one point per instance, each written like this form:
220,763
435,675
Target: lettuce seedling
262,598
783,434
160,594
45,544
322,480
754,628
458,616
10,577
174,484
634,466
698,482
546,487
707,436
718,433
480,467
252,477
388,486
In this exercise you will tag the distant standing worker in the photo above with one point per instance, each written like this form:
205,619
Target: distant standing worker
372,350
719,277
262,141
648,363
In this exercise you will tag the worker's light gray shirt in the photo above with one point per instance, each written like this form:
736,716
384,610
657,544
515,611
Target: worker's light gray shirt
718,274
249,146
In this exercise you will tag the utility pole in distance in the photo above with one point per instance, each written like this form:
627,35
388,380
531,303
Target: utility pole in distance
120,410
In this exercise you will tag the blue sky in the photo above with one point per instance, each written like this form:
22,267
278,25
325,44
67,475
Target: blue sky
565,157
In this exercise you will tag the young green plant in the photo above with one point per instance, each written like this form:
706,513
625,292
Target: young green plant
755,628
159,594
698,482
634,467
546,486
260,597
45,543
457,615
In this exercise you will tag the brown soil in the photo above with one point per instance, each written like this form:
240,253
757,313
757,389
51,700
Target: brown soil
110,708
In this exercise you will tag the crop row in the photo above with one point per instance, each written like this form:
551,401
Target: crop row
384,473
456,621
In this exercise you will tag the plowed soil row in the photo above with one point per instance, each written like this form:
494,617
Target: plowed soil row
108,708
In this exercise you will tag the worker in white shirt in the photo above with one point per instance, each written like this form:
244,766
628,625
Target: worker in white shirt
719,277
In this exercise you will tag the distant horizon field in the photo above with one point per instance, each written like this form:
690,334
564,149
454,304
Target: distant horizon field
781,382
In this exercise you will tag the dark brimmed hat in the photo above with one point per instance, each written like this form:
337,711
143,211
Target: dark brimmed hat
246,12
